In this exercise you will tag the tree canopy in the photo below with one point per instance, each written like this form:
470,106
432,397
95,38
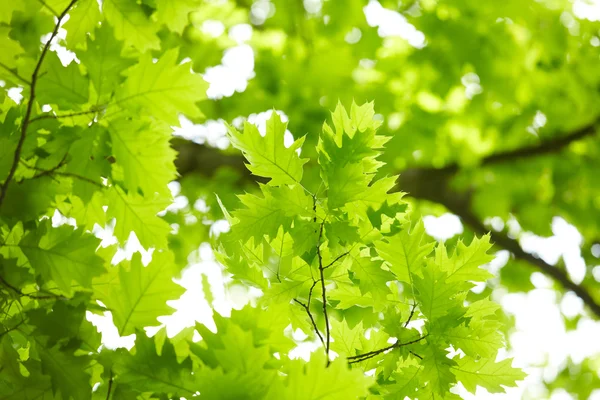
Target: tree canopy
322,134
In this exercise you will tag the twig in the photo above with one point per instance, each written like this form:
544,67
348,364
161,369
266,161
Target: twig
434,185
416,355
110,383
27,117
13,328
371,354
336,259
307,309
31,296
52,170
61,173
93,110
412,312
321,269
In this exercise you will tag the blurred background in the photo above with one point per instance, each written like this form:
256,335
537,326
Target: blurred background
493,108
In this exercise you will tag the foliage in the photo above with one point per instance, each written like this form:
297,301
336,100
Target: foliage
469,96
312,247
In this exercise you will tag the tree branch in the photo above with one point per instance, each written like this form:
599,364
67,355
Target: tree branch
434,186
559,275
430,184
554,145
27,117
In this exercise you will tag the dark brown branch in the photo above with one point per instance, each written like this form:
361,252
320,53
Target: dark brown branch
550,146
554,145
431,186
514,247
423,183
27,117
374,353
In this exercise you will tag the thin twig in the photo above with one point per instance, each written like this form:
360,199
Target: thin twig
31,296
94,110
324,295
45,172
416,355
27,117
412,312
13,328
371,354
110,383
336,259
53,171
307,309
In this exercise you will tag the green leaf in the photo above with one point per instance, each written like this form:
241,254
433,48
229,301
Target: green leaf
141,148
63,86
174,14
63,255
268,157
406,251
372,278
131,25
67,373
436,296
137,295
8,58
313,380
467,260
88,159
162,89
346,342
104,60
134,213
487,374
437,370
264,215
154,369
83,19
